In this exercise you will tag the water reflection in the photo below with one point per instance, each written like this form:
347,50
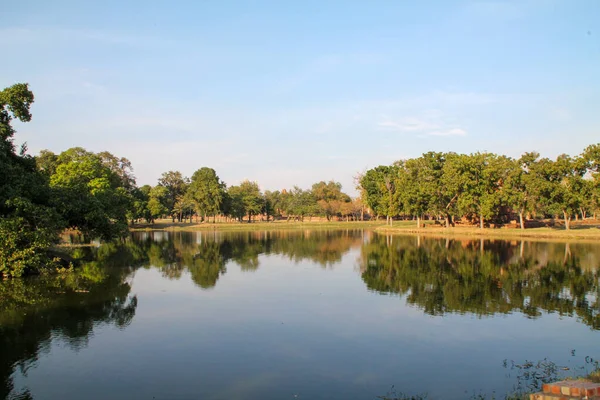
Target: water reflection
327,315
205,254
34,312
486,277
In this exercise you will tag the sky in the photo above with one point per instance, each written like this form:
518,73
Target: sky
294,92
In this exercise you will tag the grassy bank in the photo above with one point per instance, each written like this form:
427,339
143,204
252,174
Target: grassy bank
167,225
577,232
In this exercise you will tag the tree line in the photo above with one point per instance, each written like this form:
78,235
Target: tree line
96,194
206,197
485,187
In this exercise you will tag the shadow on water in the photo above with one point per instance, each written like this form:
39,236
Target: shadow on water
485,277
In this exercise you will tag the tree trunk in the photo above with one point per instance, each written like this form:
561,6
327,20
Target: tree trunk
567,220
418,222
521,221
522,249
481,222
567,253
583,214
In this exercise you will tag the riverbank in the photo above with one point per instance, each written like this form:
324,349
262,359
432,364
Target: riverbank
577,232
168,225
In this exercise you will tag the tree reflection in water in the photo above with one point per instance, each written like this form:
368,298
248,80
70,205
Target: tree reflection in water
36,311
205,255
485,277
439,276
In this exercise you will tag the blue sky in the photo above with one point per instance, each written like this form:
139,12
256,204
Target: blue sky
293,92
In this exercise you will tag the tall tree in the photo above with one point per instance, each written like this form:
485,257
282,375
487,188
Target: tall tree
90,195
559,189
521,188
158,200
252,198
28,223
176,185
379,186
206,190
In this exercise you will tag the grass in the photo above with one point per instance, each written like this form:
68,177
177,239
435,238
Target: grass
578,232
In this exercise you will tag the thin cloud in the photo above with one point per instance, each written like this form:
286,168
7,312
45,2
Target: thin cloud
448,132
56,35
408,125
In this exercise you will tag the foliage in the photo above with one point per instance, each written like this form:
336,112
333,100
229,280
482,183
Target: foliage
245,199
91,193
176,185
28,223
206,190
485,187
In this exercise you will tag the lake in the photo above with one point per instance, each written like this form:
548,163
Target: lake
344,314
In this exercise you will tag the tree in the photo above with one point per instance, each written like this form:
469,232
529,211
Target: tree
272,204
139,204
252,198
301,203
379,187
46,162
480,177
176,185
415,191
89,195
120,167
206,190
29,226
559,189
233,204
158,198
522,185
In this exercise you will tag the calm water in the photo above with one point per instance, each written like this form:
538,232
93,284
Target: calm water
288,315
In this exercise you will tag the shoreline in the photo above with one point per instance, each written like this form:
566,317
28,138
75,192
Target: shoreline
254,226
587,232
576,234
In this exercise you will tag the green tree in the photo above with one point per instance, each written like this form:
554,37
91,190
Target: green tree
559,189
379,188
158,198
206,190
521,188
252,198
89,195
301,203
28,223
329,197
176,185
